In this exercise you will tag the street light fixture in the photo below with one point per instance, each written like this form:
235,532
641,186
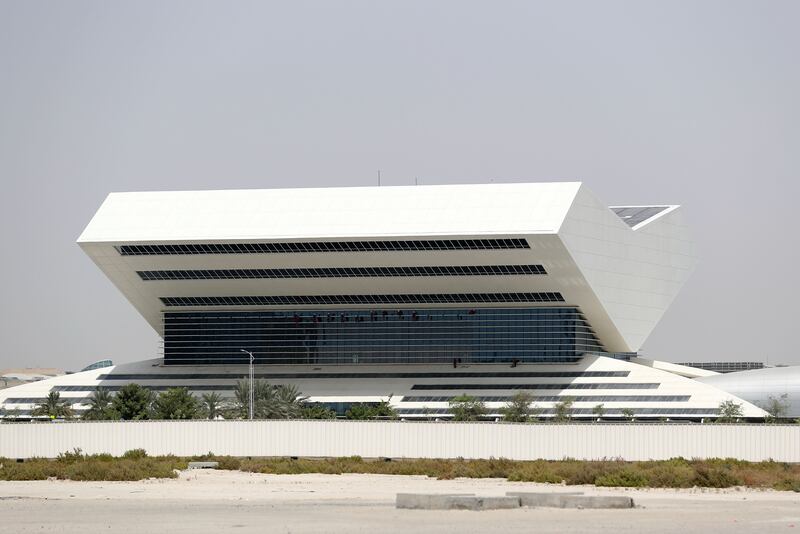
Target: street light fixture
252,377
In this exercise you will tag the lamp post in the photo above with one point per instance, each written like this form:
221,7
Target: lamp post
252,377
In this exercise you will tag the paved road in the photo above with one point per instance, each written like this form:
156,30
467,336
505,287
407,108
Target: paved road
213,502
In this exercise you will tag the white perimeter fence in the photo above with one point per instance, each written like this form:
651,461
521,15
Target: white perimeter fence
403,439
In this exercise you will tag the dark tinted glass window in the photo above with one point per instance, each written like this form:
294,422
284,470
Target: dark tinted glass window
381,336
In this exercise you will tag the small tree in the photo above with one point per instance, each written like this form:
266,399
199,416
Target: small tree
101,406
364,411
384,410
53,407
628,414
467,408
211,405
518,409
599,411
359,412
176,403
9,414
132,402
776,407
563,410
729,411
315,410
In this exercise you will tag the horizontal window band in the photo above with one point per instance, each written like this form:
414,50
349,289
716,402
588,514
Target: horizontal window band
321,246
565,356
353,333
367,375
560,398
389,324
356,350
579,385
423,298
539,313
39,400
581,411
343,272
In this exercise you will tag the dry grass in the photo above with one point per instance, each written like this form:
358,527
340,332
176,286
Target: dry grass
134,465
674,473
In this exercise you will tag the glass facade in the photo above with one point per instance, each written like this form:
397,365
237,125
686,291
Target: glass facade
488,335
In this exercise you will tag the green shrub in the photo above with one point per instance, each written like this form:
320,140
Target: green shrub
135,454
714,476
626,477
787,484
669,475
72,456
673,473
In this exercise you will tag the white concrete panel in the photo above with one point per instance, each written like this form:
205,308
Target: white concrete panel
635,274
342,212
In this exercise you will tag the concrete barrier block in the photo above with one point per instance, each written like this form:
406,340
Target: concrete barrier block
426,501
417,501
203,465
572,500
551,500
483,503
598,501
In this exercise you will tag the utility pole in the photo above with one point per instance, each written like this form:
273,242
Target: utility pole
251,397
379,177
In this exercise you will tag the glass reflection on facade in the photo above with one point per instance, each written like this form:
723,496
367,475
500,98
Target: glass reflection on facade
490,335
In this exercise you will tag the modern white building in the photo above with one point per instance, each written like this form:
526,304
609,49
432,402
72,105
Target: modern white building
416,293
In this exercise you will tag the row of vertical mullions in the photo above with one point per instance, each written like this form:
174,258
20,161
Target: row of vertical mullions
342,272
424,298
320,246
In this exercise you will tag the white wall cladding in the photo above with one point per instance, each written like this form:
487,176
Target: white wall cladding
629,441
359,389
635,274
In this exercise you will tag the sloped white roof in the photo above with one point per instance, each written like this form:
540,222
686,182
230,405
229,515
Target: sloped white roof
342,212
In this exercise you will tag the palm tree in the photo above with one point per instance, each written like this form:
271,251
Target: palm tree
287,403
100,406
211,404
269,402
53,407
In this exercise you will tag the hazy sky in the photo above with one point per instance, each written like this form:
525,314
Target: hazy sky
693,103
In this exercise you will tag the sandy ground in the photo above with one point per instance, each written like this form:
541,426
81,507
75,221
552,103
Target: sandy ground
219,501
